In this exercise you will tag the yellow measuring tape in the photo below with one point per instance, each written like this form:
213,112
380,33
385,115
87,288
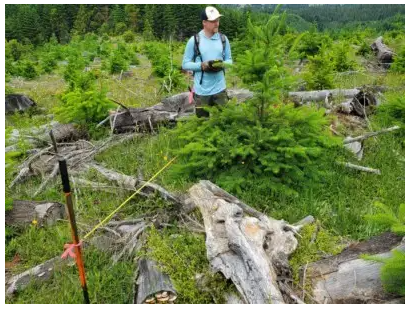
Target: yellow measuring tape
127,200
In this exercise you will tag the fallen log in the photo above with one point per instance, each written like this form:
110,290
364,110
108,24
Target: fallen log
38,273
383,53
152,285
359,101
169,110
251,251
24,213
345,278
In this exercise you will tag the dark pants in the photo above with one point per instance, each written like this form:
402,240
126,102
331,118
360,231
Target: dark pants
218,99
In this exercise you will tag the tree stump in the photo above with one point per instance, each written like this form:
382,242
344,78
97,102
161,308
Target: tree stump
249,250
24,212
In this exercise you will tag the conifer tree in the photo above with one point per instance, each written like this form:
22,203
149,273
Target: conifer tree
118,14
132,16
82,20
148,23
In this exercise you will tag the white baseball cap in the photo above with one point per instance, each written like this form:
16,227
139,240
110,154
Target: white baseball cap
210,13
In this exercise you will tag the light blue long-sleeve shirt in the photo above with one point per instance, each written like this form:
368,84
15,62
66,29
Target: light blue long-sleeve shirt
210,49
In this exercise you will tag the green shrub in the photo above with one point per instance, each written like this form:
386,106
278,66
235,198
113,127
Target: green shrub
14,50
398,64
129,36
120,28
343,57
234,149
27,68
48,63
85,108
364,49
117,62
319,71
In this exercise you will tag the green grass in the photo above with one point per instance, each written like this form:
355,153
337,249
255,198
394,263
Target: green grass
107,283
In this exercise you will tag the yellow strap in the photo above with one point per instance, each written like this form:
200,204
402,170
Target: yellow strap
127,200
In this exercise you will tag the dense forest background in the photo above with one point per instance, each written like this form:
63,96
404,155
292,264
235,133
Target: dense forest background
36,24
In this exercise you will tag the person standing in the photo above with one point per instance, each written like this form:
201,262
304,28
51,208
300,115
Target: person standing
206,54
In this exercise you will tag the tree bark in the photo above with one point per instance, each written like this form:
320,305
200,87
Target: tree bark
345,278
153,286
24,212
250,251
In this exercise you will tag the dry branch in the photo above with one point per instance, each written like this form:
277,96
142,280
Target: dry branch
360,168
370,134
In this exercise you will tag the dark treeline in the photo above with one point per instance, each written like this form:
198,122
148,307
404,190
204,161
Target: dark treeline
37,23
327,16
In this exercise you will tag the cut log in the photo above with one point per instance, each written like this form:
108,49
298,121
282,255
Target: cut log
345,278
169,110
152,285
383,53
24,212
250,251
18,103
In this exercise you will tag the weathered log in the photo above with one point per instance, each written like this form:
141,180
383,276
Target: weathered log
18,103
168,110
383,53
320,95
345,278
248,250
38,273
24,212
152,285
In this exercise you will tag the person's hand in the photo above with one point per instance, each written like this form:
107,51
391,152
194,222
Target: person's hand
205,66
